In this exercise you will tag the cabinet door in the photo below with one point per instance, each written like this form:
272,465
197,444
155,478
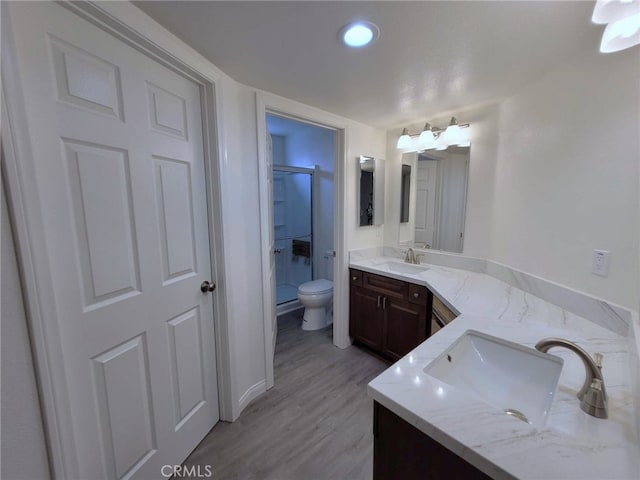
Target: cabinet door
366,317
405,327
400,450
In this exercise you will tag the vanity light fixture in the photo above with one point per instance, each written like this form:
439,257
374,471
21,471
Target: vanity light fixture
451,135
441,144
435,138
427,140
622,18
405,142
359,34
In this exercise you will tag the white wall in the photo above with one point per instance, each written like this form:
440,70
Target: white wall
241,231
567,176
362,140
23,451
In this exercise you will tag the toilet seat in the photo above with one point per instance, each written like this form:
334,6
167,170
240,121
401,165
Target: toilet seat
316,287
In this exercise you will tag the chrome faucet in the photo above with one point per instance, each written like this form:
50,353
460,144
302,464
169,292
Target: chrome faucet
592,395
410,256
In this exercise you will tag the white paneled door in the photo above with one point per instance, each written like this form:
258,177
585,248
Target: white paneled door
426,184
271,272
117,143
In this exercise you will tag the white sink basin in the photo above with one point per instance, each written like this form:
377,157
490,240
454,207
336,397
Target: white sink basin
515,379
407,268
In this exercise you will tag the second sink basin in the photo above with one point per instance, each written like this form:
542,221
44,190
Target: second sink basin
518,380
407,268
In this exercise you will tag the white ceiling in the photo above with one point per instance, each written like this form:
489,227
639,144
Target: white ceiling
432,57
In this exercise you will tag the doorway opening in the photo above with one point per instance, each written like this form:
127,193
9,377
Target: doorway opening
274,106
302,194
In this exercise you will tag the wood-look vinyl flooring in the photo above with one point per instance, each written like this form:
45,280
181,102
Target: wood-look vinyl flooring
315,423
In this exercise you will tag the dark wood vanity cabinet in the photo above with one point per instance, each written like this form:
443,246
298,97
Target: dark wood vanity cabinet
389,316
400,450
366,320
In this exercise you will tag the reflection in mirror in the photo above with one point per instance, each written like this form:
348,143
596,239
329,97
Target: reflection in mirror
405,189
371,191
440,199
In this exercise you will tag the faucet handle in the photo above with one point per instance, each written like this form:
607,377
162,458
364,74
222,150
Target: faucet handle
597,358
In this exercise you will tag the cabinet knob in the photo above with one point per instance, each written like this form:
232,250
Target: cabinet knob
416,295
354,278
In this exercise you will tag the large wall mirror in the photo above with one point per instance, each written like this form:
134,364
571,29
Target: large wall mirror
437,199
370,191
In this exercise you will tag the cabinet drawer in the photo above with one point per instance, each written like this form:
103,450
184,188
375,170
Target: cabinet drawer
442,311
418,295
384,285
355,278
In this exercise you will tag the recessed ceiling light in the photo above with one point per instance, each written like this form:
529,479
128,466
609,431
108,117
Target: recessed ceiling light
359,34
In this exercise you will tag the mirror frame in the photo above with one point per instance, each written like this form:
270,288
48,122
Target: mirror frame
378,190
405,193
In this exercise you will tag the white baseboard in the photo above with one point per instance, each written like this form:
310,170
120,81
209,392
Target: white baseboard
247,397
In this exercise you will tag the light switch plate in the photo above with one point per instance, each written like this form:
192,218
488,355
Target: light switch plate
600,263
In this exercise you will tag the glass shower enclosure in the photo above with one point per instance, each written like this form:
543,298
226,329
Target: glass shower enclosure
293,235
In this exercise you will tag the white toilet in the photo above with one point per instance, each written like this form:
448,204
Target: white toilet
317,298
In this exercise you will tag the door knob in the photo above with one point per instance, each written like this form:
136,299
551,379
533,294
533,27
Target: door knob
206,287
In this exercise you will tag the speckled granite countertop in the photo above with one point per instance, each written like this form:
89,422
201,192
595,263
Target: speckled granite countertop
572,444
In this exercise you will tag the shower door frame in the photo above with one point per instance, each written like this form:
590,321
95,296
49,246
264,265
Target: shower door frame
295,303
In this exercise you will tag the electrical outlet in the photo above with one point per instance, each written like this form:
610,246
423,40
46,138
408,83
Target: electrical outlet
600,263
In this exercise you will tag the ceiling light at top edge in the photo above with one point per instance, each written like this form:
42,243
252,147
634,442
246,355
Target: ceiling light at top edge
359,34
609,11
622,18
